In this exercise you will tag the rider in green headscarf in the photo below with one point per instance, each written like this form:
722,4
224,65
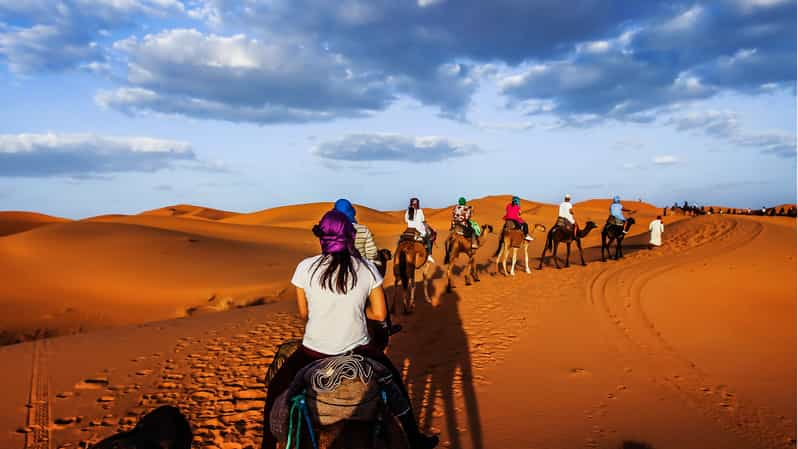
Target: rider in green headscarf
461,215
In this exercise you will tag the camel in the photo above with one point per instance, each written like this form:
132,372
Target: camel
411,255
514,238
613,232
559,234
458,244
383,255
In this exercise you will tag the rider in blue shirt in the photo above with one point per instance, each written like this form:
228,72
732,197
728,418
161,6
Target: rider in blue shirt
616,209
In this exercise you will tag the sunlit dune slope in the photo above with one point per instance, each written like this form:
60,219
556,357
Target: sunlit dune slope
12,222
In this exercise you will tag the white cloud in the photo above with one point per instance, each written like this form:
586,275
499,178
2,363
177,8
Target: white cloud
86,155
665,160
392,147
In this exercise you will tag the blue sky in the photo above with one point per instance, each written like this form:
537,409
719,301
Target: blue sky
116,106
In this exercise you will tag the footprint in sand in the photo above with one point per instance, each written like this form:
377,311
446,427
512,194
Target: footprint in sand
579,372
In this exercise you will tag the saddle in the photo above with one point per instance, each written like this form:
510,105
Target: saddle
614,221
462,229
565,224
411,235
348,387
512,229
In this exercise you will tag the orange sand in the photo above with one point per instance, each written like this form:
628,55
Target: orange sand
691,345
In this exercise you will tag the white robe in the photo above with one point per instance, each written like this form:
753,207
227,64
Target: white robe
656,228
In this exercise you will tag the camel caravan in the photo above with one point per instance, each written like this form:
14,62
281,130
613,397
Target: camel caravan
337,388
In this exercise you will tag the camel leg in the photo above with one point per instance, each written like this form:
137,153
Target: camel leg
425,283
604,244
579,246
554,254
395,293
568,254
620,248
506,256
515,258
499,259
411,298
449,277
543,254
474,272
526,258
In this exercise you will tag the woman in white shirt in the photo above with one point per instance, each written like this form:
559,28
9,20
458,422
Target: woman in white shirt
333,290
414,217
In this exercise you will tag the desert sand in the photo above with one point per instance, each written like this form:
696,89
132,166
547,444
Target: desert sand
691,345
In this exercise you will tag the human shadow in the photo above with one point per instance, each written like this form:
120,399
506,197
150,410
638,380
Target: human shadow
433,354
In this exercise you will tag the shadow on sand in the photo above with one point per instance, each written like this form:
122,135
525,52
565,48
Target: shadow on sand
433,354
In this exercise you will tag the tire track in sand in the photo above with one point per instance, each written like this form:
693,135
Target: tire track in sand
38,420
616,293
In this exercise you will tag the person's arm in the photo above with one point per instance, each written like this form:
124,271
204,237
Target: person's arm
302,303
370,247
377,309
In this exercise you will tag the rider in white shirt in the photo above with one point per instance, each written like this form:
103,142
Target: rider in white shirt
414,217
566,211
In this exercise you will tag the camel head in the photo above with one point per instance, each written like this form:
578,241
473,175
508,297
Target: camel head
486,228
629,222
384,255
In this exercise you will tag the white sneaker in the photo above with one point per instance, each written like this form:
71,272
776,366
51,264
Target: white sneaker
529,238
430,259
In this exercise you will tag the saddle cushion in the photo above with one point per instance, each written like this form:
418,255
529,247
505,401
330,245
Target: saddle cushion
614,221
516,237
346,387
411,234
563,223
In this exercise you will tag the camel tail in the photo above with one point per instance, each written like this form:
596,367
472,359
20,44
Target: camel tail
403,276
499,248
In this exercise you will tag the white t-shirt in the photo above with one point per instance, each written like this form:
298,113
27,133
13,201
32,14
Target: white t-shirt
417,222
565,211
336,322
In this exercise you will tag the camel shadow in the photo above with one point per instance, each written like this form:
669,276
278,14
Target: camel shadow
635,445
433,355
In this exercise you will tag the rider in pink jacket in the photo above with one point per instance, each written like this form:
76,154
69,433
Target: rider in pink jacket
514,213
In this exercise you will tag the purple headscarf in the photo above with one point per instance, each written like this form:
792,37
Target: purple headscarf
335,233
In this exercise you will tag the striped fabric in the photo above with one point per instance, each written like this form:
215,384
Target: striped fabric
364,242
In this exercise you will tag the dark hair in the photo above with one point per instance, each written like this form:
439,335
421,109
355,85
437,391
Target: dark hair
339,274
411,211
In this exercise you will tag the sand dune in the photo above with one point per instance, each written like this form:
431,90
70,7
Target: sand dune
120,270
657,348
12,222
190,211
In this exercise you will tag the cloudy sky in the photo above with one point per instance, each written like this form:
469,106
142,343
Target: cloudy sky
126,105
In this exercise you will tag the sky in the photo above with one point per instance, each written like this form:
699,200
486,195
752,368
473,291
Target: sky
119,106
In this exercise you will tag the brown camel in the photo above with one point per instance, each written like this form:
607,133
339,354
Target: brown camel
410,256
383,255
514,238
559,234
614,232
458,244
